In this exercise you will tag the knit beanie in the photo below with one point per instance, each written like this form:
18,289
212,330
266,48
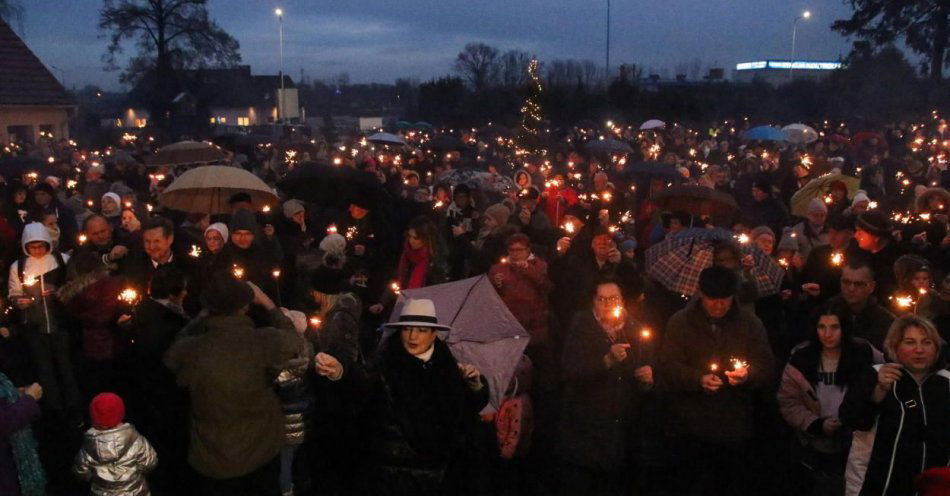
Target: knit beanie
106,411
243,220
817,206
788,241
291,207
114,197
718,282
221,228
860,197
225,295
499,212
333,243
628,244
297,317
758,231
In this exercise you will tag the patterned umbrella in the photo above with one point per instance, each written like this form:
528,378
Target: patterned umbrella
480,180
677,261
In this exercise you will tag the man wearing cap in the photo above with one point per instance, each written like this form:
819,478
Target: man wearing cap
237,428
714,358
874,235
424,409
248,257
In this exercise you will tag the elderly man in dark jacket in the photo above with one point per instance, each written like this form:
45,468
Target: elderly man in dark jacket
714,358
607,364
237,428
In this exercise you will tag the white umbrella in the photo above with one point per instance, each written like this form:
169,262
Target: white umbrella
386,139
207,190
799,133
652,124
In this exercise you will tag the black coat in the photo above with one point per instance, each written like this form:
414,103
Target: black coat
599,404
421,418
909,430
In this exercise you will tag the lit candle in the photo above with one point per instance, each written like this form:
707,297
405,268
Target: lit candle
394,286
504,260
195,251
129,296
713,367
617,312
331,229
238,272
82,239
265,209
29,280
569,227
275,273
315,322
837,259
743,238
783,262
738,364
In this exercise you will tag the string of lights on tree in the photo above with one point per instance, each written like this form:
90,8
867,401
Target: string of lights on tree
529,133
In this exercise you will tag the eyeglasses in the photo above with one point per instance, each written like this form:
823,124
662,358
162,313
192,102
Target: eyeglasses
609,300
857,284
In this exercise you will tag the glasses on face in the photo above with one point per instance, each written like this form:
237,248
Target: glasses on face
608,300
856,284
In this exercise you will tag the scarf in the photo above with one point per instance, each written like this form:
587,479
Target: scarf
414,267
29,469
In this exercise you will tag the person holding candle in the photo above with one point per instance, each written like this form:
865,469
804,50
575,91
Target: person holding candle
874,236
711,403
812,232
822,270
489,245
32,281
607,370
898,411
813,384
111,208
856,302
523,284
914,279
245,251
532,220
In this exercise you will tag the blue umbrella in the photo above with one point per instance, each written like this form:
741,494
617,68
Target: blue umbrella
764,133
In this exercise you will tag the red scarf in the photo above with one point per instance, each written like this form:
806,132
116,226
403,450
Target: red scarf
413,267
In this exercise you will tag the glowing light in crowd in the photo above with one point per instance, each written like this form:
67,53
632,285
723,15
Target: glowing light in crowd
195,251
129,296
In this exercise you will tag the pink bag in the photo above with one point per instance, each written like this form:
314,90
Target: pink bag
514,423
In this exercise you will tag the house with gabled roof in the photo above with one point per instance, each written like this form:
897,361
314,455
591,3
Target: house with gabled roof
32,101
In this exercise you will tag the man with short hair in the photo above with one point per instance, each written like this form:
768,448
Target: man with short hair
714,358
158,238
874,236
857,302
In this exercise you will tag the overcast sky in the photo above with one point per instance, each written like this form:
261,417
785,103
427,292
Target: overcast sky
381,40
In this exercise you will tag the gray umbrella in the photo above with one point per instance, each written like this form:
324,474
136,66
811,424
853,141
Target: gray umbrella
484,333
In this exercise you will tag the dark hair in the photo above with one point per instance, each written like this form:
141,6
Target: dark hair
600,281
518,239
426,231
843,320
85,223
462,188
167,281
858,262
168,229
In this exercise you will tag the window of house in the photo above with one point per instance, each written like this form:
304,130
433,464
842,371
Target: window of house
244,121
141,122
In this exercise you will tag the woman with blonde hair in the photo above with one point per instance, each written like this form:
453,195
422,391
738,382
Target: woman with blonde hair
900,412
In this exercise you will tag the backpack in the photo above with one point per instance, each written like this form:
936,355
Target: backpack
514,423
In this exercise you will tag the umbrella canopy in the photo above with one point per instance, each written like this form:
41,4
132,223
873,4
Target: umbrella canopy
863,136
14,167
764,133
186,152
386,139
697,200
818,188
423,125
652,124
445,142
481,180
484,332
651,168
676,262
608,146
326,185
402,125
799,133
207,190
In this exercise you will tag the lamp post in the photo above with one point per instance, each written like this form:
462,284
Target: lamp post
805,15
280,96
607,50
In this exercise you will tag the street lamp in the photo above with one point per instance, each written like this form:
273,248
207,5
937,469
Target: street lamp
805,15
280,97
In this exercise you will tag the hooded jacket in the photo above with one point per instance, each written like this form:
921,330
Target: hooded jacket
115,461
45,273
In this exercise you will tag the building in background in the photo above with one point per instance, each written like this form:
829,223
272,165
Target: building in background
32,101
778,72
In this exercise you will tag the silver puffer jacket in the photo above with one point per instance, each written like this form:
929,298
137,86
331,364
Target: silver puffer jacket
295,396
115,461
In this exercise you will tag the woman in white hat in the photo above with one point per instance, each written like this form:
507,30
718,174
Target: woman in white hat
425,408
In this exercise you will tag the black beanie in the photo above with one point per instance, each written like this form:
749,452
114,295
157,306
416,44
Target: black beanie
327,280
226,294
46,188
718,282
243,220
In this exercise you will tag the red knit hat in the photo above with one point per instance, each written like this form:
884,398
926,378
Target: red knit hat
106,411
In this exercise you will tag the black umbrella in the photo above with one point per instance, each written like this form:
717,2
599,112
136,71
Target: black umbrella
608,146
326,185
651,168
697,200
14,167
445,142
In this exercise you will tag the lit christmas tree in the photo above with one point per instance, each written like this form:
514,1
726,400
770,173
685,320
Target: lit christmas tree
529,133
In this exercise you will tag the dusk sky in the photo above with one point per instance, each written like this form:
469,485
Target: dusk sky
381,40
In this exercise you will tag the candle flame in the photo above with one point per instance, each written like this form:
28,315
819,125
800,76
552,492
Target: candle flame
738,364
618,311
275,273
569,227
331,229
82,239
394,287
29,280
195,251
645,333
743,238
265,209
238,272
315,322
837,259
129,295
713,367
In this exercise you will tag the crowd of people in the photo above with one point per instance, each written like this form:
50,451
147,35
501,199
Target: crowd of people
707,314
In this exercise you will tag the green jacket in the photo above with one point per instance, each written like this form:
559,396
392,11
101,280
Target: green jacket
236,420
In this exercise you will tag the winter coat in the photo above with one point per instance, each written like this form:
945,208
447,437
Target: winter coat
908,432
871,323
115,461
525,292
296,401
769,212
13,418
421,419
236,421
258,264
808,239
599,404
46,273
805,400
691,343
